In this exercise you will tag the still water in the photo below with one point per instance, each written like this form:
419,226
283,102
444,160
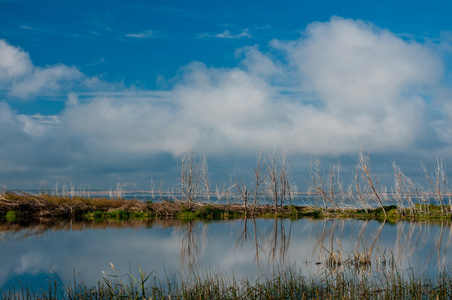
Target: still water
30,254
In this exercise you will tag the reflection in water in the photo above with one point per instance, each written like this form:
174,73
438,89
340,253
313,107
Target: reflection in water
362,244
25,230
190,242
273,244
247,247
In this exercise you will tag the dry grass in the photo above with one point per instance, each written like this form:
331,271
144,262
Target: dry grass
15,206
49,206
35,207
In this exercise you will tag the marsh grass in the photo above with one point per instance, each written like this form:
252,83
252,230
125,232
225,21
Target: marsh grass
286,284
27,206
24,207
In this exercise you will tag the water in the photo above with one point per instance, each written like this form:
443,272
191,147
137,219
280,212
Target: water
30,254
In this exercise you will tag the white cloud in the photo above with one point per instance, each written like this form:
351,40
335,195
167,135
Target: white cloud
20,78
45,79
142,35
366,81
228,35
13,62
355,65
9,125
356,86
260,64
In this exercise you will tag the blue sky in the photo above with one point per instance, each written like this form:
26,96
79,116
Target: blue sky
104,92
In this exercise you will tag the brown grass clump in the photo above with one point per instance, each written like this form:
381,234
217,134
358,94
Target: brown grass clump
49,206
34,207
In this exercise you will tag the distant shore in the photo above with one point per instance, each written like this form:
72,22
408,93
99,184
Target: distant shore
21,206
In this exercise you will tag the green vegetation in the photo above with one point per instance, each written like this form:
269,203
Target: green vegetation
271,184
389,283
12,216
26,207
118,214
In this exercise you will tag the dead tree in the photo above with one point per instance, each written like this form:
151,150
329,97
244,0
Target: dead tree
259,177
404,189
318,181
277,179
355,189
439,183
205,178
161,189
243,193
363,166
190,171
329,189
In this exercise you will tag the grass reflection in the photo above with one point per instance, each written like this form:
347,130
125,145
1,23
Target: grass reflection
339,250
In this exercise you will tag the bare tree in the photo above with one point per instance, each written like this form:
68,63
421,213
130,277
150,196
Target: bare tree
205,177
228,192
225,191
285,179
243,193
404,189
318,181
278,179
358,190
439,183
330,189
161,189
152,187
340,188
272,181
259,177
190,171
218,193
363,165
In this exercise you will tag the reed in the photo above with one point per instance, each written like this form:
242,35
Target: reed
286,284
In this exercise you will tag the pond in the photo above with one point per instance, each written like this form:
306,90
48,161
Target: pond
81,251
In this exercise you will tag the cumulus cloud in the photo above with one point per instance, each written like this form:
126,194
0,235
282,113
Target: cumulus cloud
22,79
342,86
11,128
47,79
257,63
368,84
14,62
356,65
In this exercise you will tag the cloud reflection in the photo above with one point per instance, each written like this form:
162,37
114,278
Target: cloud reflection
242,247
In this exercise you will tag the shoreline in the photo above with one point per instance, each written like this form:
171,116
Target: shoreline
16,207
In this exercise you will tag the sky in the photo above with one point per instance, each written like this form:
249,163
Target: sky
101,93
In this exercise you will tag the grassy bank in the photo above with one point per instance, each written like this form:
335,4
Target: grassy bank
288,284
23,206
15,207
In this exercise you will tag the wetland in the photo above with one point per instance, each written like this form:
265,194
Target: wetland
261,240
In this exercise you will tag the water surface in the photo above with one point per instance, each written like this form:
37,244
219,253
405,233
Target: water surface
30,254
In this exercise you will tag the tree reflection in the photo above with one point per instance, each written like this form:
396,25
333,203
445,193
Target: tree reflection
411,239
191,239
279,242
275,243
272,244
